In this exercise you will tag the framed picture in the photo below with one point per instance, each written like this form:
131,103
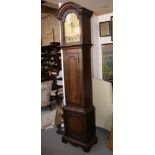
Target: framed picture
104,28
107,61
111,28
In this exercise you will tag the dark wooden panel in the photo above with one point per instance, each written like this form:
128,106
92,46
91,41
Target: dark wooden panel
73,76
86,37
90,126
87,78
72,72
79,123
75,125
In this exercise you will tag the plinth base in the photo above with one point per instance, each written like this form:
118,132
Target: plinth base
86,146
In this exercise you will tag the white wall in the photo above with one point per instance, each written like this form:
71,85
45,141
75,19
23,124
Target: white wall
97,41
103,40
102,90
95,47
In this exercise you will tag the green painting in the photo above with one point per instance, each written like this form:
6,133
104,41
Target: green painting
107,62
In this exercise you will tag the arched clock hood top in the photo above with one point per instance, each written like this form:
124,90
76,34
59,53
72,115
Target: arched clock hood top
67,7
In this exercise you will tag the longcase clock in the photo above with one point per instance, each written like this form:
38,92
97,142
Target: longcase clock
79,112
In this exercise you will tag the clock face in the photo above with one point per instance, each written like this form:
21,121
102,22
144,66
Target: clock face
71,28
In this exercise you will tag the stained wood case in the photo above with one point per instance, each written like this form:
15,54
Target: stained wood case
79,112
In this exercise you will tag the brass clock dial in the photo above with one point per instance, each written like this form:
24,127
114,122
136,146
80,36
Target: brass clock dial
71,28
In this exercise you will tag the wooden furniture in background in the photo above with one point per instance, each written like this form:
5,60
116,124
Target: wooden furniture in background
50,65
110,140
79,112
50,69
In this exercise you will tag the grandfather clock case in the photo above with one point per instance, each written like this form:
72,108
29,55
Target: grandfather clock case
79,112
